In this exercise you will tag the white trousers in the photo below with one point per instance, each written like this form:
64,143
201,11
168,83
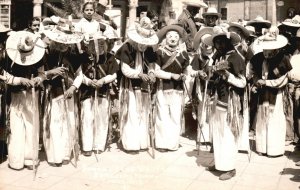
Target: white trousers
24,137
270,135
60,136
94,124
135,135
225,146
168,119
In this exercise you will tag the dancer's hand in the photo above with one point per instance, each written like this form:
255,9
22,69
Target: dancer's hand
144,77
69,93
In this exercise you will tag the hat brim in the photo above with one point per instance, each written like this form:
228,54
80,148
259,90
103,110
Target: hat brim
136,37
261,24
234,38
244,30
291,24
219,15
195,4
14,54
261,45
200,33
62,37
173,27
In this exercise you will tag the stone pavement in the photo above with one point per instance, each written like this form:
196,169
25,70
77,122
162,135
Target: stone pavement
179,170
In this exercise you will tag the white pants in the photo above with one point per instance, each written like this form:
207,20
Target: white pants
270,135
135,135
94,125
24,137
168,119
225,146
59,138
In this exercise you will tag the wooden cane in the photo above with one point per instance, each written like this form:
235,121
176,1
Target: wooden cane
151,127
33,130
66,106
95,108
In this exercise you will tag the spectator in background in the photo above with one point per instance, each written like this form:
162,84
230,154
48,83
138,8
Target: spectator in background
211,16
33,25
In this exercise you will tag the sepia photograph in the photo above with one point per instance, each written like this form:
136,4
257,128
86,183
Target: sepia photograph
150,94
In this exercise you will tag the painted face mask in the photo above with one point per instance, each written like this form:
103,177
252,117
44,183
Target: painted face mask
172,38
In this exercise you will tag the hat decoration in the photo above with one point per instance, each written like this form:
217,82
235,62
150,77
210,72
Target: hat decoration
222,31
64,33
25,48
206,31
212,11
143,33
294,22
271,40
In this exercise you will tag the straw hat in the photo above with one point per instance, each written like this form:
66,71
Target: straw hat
211,11
203,31
271,40
259,21
195,3
64,33
173,27
142,33
239,26
222,31
295,72
294,22
25,48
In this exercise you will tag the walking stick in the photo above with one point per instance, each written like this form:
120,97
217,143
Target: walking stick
198,123
201,119
68,119
110,132
33,130
151,127
95,109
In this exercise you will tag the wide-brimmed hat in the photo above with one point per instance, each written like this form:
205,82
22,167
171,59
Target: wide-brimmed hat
143,33
25,48
203,31
222,31
259,21
212,11
195,3
173,27
294,22
271,40
4,29
64,34
239,26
